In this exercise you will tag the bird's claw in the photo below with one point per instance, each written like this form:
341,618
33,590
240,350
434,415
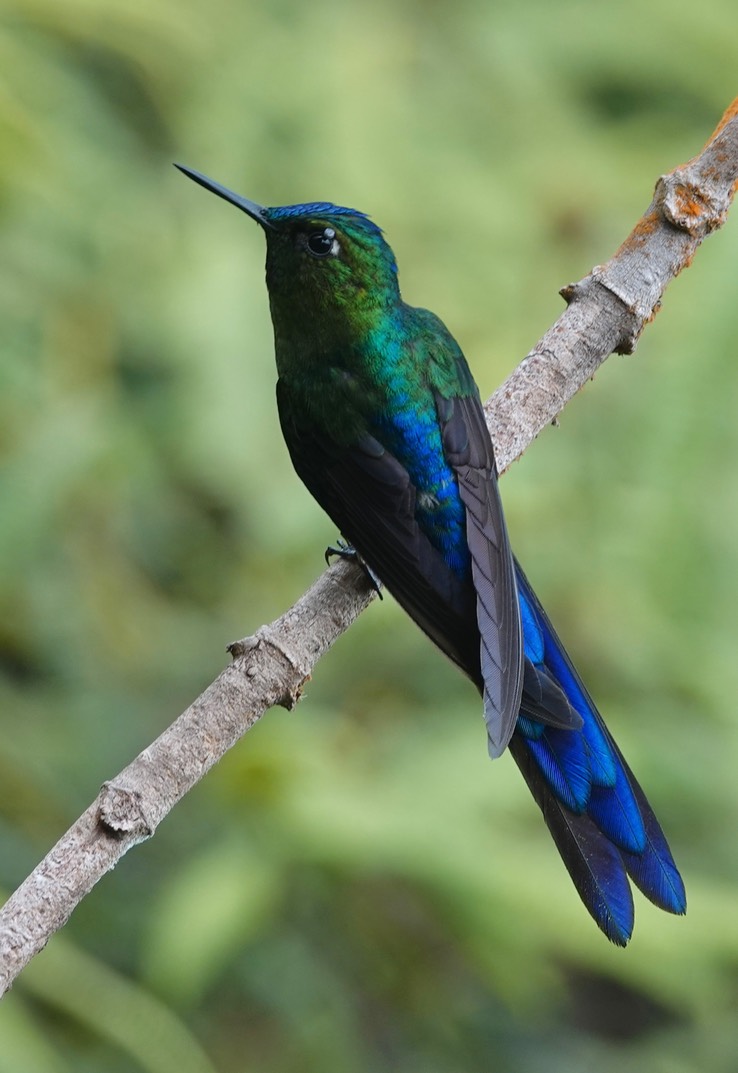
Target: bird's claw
341,549
348,551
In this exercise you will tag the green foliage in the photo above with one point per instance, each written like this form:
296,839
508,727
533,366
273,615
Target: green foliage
355,888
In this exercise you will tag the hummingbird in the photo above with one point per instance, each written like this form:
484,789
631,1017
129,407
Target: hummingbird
385,427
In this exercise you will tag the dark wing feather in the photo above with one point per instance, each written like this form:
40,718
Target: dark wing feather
468,449
370,497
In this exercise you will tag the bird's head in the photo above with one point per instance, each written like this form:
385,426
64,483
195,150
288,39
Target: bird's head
323,262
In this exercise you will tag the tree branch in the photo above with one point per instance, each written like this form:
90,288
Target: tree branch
609,308
606,313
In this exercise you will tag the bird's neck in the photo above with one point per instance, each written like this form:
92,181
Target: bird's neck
356,337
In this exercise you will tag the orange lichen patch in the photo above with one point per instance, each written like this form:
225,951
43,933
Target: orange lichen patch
723,161
730,113
696,210
641,233
652,315
688,204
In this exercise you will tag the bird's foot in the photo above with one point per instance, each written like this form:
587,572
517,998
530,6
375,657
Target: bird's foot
348,551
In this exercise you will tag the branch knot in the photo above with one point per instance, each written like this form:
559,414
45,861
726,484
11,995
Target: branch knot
696,208
121,811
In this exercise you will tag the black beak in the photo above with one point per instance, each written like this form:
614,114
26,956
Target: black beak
256,212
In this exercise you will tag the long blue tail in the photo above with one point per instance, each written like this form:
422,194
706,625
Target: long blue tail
597,813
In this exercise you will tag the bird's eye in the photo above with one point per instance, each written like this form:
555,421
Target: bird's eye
321,243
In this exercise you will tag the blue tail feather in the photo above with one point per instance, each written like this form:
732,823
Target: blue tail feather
653,871
604,763
561,757
599,817
615,811
593,863
529,728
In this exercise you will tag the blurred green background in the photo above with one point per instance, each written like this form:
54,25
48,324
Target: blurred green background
355,888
